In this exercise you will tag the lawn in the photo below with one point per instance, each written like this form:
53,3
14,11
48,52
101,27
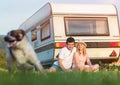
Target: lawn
60,78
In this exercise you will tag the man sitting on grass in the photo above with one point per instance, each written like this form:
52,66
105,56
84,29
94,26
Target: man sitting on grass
65,57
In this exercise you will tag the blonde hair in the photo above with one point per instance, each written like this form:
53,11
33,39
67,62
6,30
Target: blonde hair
84,48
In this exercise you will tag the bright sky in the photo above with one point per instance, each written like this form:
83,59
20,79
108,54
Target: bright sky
14,12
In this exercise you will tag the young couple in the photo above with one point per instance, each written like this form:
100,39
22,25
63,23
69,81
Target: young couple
73,57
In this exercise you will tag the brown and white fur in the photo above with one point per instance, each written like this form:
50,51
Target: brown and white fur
20,50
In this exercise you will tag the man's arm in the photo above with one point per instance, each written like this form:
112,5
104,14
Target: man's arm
61,65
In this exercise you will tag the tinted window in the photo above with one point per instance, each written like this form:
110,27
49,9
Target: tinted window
34,34
45,30
86,26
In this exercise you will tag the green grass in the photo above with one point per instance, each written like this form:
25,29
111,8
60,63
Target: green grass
60,78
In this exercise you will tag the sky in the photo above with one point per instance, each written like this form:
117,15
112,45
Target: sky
14,12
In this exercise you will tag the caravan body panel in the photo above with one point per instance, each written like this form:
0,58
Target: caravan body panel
95,24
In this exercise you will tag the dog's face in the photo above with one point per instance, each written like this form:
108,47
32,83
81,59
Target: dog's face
14,36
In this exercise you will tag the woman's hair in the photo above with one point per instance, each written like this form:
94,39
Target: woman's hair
84,48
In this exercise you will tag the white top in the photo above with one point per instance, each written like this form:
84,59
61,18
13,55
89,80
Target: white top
67,57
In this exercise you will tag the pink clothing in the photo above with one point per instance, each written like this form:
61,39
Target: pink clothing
80,61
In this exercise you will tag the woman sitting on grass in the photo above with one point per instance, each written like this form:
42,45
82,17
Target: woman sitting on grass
81,57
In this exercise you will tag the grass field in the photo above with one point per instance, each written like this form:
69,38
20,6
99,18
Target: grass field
60,78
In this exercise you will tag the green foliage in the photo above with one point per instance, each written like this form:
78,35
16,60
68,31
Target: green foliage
2,52
2,59
2,42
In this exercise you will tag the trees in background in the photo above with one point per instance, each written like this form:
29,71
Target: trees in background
2,52
2,59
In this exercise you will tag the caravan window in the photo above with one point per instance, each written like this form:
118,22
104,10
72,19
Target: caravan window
86,26
45,30
34,34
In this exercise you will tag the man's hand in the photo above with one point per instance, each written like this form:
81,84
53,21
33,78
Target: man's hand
68,70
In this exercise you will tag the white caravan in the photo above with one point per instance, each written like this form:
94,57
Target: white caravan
95,24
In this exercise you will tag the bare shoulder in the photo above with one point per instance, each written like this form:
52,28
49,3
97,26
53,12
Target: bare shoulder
76,54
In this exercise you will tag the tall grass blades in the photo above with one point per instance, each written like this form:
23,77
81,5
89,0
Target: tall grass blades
60,78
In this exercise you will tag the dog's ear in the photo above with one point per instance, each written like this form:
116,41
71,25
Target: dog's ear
21,34
5,38
20,31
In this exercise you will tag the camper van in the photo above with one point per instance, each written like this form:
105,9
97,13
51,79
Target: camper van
95,24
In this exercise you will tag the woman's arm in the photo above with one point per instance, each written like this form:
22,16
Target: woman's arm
88,60
76,60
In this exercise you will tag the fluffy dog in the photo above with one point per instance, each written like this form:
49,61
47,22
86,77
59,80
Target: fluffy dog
20,50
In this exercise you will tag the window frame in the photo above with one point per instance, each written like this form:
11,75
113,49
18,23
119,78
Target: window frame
66,19
42,27
34,30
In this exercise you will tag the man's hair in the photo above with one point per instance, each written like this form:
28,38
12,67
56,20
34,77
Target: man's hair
69,40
